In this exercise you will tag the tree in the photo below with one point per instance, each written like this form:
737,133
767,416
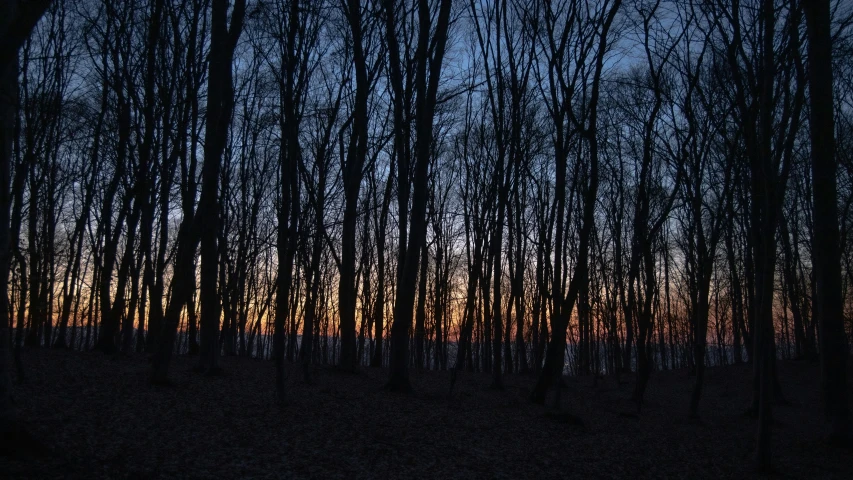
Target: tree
317,197
566,123
827,255
18,20
353,171
764,186
220,105
429,57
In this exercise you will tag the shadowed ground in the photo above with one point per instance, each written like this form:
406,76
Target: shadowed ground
102,419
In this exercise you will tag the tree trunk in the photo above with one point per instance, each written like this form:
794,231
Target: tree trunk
427,91
353,173
420,314
220,104
764,198
827,254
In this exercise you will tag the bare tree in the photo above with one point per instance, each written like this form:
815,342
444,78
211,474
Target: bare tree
18,20
218,117
220,105
833,341
566,123
428,57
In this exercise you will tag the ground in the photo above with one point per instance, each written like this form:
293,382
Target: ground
101,419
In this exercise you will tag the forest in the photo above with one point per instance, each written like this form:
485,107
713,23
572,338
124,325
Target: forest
532,192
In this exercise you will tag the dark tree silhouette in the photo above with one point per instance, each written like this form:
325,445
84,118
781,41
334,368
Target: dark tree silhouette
428,59
18,20
833,341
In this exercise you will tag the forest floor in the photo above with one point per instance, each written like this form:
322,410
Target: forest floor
101,419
